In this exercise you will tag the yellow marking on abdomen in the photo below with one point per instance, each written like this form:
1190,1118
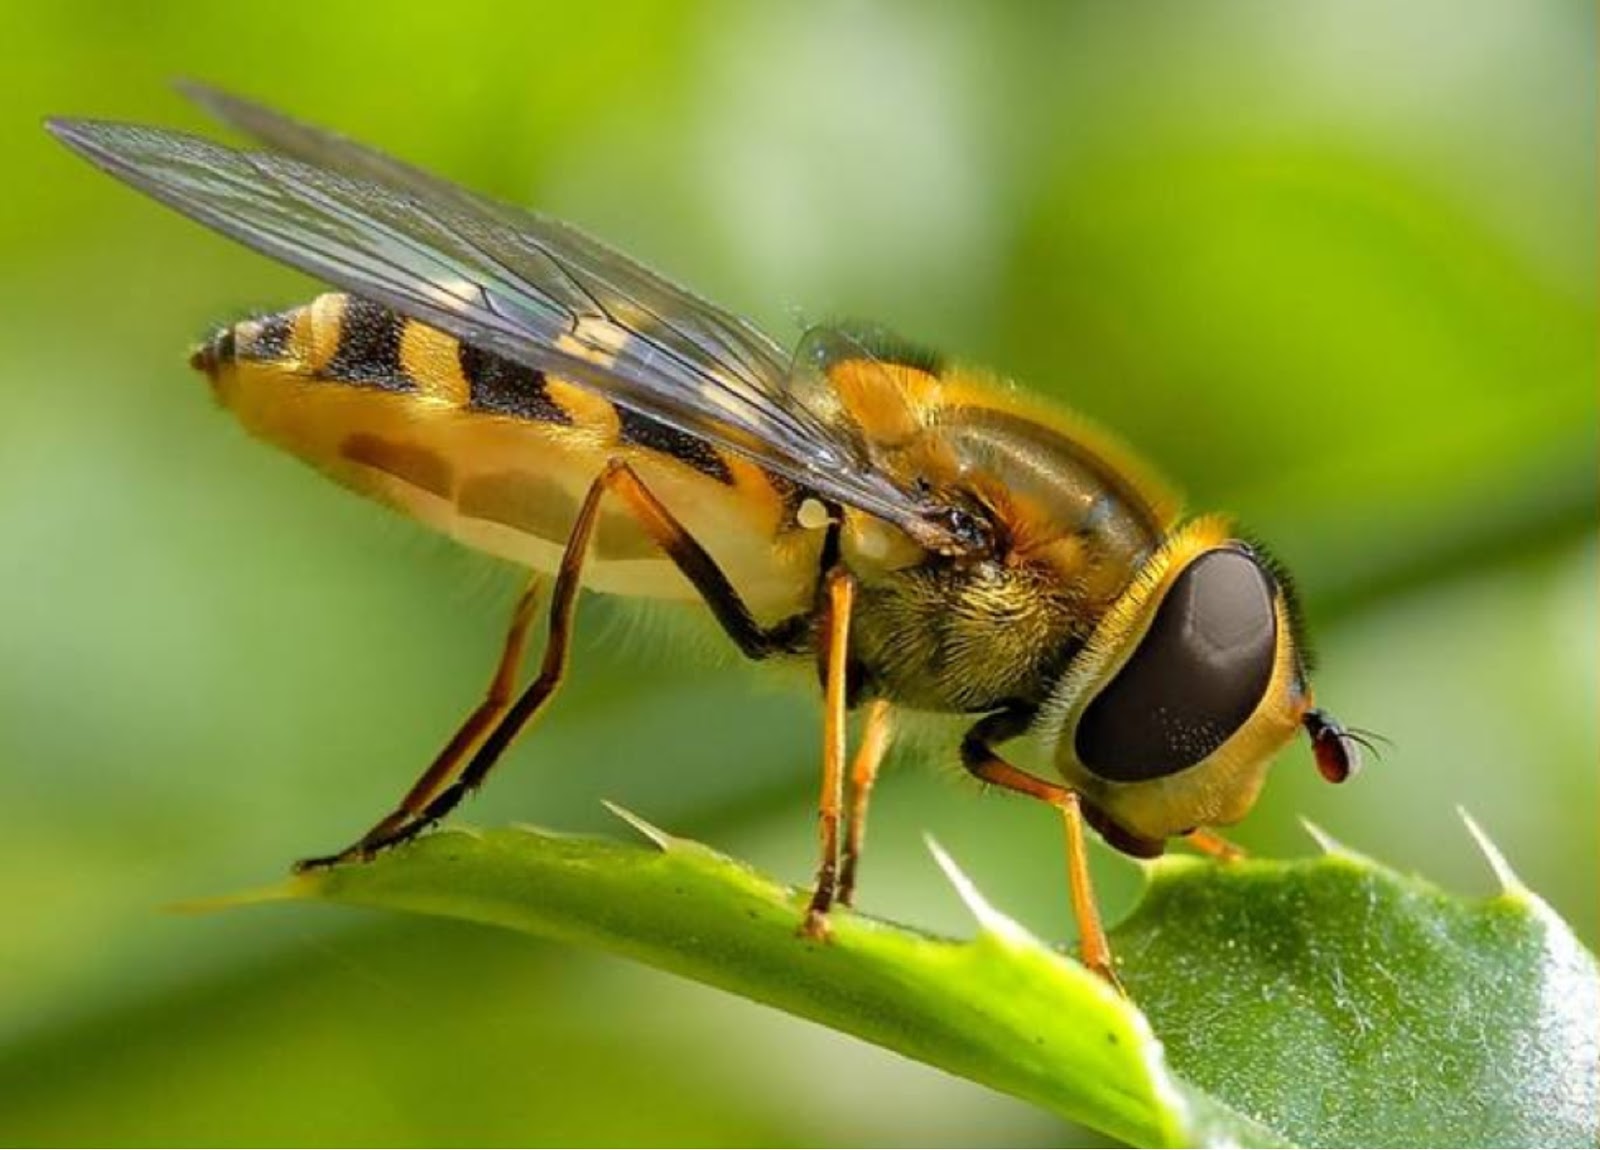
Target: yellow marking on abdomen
324,321
433,361
492,477
591,413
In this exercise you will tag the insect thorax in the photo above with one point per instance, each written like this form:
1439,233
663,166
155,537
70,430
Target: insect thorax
977,633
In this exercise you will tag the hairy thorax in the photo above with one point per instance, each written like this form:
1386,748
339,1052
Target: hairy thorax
961,637
977,632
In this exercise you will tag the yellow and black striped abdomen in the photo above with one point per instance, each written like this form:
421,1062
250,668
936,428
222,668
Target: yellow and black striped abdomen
496,454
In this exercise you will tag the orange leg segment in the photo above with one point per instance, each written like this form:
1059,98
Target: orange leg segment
876,732
1210,843
1093,949
841,589
979,757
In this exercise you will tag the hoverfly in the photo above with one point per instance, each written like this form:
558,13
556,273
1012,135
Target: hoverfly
933,541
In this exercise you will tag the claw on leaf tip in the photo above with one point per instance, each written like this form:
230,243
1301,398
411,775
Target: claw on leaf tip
990,920
1509,882
660,838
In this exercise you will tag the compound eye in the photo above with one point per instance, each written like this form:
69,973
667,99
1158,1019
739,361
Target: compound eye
1196,677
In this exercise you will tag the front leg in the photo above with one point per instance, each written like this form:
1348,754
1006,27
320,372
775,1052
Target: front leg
979,757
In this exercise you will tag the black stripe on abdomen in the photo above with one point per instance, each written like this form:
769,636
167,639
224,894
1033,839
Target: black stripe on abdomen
504,387
369,348
653,435
273,333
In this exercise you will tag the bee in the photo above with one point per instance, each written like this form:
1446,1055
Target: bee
928,538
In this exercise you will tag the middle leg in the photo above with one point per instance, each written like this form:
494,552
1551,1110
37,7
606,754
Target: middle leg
840,596
876,733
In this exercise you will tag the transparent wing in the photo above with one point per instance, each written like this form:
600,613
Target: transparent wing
703,335
527,288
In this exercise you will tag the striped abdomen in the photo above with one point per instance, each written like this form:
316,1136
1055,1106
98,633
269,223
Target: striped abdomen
498,455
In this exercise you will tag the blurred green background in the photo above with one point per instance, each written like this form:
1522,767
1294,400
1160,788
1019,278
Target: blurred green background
1330,264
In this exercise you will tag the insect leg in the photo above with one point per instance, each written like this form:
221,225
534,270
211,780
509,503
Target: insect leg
1093,948
841,590
978,756
1212,844
484,716
877,731
691,559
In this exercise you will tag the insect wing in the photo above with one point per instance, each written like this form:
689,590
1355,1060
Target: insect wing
699,333
532,291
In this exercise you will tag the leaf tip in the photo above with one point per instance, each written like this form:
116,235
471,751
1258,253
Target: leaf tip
1326,842
990,920
296,886
659,838
1507,878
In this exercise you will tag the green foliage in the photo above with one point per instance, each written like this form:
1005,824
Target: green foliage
1332,1002
1342,1004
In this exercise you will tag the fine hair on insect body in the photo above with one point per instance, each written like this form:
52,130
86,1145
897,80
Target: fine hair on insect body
922,538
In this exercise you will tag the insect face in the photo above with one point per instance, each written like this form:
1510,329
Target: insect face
1169,717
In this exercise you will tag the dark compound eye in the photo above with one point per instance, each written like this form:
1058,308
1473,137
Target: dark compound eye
1199,673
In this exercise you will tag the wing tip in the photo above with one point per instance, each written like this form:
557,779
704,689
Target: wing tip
216,102
83,135
62,128
191,88
107,144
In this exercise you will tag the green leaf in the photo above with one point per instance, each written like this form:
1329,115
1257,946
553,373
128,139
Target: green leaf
1000,1009
1342,1004
1330,1001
